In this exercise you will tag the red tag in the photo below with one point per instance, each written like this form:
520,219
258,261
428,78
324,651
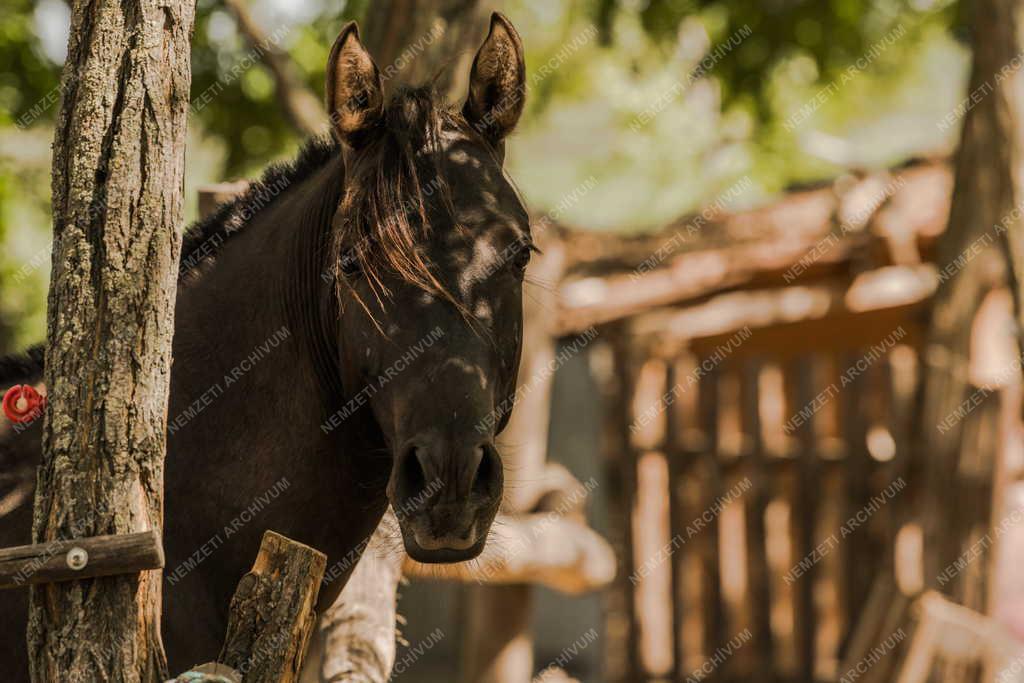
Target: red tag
34,403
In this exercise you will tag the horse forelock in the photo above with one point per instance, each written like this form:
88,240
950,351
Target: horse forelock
383,221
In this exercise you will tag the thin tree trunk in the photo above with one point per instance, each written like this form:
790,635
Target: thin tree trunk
987,189
998,49
413,41
118,167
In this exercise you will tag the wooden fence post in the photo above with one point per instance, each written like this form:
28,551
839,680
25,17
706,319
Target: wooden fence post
271,618
273,611
118,166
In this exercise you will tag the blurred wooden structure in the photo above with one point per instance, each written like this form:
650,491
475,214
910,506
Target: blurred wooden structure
765,367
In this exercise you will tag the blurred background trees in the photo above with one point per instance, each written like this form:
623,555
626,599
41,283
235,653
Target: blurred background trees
741,89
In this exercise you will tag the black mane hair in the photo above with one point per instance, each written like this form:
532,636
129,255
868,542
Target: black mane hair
204,238
387,185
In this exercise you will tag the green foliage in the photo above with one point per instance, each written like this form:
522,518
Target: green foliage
637,110
832,33
233,94
28,76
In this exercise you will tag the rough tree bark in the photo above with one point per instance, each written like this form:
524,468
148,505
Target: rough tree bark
273,612
985,213
118,166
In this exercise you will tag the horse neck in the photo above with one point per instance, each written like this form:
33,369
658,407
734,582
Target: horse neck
268,423
260,314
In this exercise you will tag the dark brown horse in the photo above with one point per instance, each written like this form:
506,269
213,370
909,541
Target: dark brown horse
347,335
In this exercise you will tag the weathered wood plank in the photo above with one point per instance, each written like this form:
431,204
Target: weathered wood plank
800,378
713,608
623,664
80,558
272,612
758,587
677,467
858,567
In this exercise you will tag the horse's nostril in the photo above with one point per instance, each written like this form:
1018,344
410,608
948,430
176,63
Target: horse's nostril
487,481
412,480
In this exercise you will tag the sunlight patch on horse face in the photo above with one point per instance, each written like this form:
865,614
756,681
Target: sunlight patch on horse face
481,263
446,141
467,368
482,312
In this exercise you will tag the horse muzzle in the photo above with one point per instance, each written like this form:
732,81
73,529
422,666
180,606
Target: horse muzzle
445,495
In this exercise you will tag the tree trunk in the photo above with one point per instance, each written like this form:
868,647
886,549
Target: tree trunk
987,190
118,165
414,40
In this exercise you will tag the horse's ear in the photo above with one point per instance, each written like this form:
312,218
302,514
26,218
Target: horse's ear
355,92
497,83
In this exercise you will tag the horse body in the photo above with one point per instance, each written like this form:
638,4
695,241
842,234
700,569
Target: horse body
309,388
246,451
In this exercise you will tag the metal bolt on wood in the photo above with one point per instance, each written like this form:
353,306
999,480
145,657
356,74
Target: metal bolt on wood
77,558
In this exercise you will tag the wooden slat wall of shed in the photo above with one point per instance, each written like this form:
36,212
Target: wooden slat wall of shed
800,384
699,463
759,594
678,470
857,569
709,538
622,654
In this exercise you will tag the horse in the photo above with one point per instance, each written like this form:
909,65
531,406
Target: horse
347,336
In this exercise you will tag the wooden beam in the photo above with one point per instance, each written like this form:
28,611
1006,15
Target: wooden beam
788,322
80,558
214,194
801,238
599,300
544,549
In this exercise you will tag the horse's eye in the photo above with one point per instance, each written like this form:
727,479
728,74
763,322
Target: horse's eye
522,257
350,264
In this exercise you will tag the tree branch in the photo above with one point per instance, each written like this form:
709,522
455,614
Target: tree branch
301,107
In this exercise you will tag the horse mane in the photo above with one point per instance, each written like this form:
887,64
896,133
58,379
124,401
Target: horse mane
22,367
387,186
204,239
384,212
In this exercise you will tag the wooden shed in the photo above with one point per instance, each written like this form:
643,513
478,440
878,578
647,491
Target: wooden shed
761,397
